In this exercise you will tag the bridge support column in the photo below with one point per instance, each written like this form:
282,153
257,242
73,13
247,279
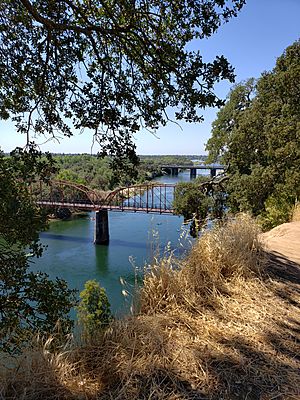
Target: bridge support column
213,172
101,233
175,171
193,173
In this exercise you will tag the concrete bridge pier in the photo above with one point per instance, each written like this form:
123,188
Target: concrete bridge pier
193,173
213,172
175,171
101,232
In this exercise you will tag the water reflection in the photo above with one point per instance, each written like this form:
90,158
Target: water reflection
67,238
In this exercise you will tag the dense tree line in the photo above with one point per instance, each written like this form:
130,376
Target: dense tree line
97,173
86,169
257,134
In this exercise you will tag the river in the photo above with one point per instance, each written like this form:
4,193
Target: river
134,240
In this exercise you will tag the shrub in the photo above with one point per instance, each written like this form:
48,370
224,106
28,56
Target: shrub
94,308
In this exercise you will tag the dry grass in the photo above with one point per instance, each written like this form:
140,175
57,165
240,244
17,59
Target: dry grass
226,253
215,326
39,374
296,212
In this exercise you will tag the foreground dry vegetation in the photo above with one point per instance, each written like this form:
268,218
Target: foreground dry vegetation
222,324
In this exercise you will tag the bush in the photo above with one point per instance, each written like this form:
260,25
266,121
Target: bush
94,308
199,200
278,211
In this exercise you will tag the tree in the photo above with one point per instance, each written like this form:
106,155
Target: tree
29,302
69,175
94,308
239,99
112,66
200,199
262,147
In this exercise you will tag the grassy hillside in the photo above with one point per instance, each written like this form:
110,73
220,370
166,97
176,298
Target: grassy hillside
220,324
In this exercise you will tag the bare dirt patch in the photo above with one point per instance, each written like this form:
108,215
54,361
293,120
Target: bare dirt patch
284,241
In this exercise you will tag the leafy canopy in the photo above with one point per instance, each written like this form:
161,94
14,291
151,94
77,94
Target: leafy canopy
29,302
257,134
112,66
199,200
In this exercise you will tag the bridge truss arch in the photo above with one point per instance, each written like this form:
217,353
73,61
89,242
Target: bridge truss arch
149,197
60,193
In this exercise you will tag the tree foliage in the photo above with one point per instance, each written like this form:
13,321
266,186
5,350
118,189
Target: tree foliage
29,302
94,308
110,66
200,199
190,201
228,118
97,173
261,142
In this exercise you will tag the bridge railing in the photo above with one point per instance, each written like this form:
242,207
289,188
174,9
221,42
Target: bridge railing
148,198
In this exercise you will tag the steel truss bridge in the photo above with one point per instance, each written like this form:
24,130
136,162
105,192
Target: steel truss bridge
148,198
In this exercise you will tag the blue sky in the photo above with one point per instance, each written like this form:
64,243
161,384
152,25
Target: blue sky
251,42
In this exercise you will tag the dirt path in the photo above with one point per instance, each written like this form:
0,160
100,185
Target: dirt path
284,240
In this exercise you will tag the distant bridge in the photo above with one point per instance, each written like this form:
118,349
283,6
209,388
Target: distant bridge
174,168
147,198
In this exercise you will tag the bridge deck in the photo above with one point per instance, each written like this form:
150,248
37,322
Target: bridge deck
96,207
218,167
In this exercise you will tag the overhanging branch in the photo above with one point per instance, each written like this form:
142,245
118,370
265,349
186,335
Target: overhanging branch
87,30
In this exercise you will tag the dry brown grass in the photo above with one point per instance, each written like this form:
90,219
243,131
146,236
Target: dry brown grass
226,253
39,374
214,326
296,212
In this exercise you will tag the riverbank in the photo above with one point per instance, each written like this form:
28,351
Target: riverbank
222,324
74,215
